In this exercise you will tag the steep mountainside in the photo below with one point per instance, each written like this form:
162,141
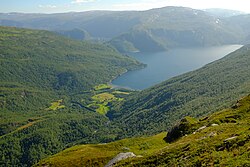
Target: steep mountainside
170,27
220,139
77,34
151,30
43,76
44,60
242,22
196,93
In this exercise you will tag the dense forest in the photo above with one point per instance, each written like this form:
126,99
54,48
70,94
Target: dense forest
41,73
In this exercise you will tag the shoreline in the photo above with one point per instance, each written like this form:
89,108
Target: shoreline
113,86
221,52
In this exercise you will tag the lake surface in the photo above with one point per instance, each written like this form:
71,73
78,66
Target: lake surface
164,65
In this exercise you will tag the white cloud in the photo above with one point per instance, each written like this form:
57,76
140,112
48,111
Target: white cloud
82,1
47,6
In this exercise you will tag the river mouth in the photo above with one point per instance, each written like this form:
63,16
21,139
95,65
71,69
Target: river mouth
164,65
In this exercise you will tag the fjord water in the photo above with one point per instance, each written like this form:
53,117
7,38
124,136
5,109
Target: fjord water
164,65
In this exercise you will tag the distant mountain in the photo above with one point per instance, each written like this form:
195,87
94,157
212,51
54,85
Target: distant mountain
242,23
196,93
129,31
99,24
169,27
75,34
221,13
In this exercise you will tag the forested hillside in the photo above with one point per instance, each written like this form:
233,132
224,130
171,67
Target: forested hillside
196,93
44,60
42,74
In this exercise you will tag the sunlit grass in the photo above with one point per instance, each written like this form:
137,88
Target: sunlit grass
102,86
100,154
104,97
56,105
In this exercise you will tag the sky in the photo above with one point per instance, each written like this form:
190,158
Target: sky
60,6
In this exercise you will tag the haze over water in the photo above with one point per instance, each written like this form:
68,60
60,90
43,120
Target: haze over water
164,65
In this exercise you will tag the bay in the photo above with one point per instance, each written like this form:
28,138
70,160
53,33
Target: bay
164,65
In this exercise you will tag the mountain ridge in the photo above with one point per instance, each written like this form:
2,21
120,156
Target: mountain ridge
124,29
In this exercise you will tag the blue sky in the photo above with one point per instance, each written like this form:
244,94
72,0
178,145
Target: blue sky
55,6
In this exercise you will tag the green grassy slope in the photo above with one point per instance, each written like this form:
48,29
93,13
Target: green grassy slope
220,139
100,154
224,142
41,74
196,93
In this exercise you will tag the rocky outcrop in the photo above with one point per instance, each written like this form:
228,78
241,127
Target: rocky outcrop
120,157
184,127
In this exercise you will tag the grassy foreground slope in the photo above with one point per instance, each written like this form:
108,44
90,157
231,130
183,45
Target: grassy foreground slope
220,139
196,93
41,74
101,154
